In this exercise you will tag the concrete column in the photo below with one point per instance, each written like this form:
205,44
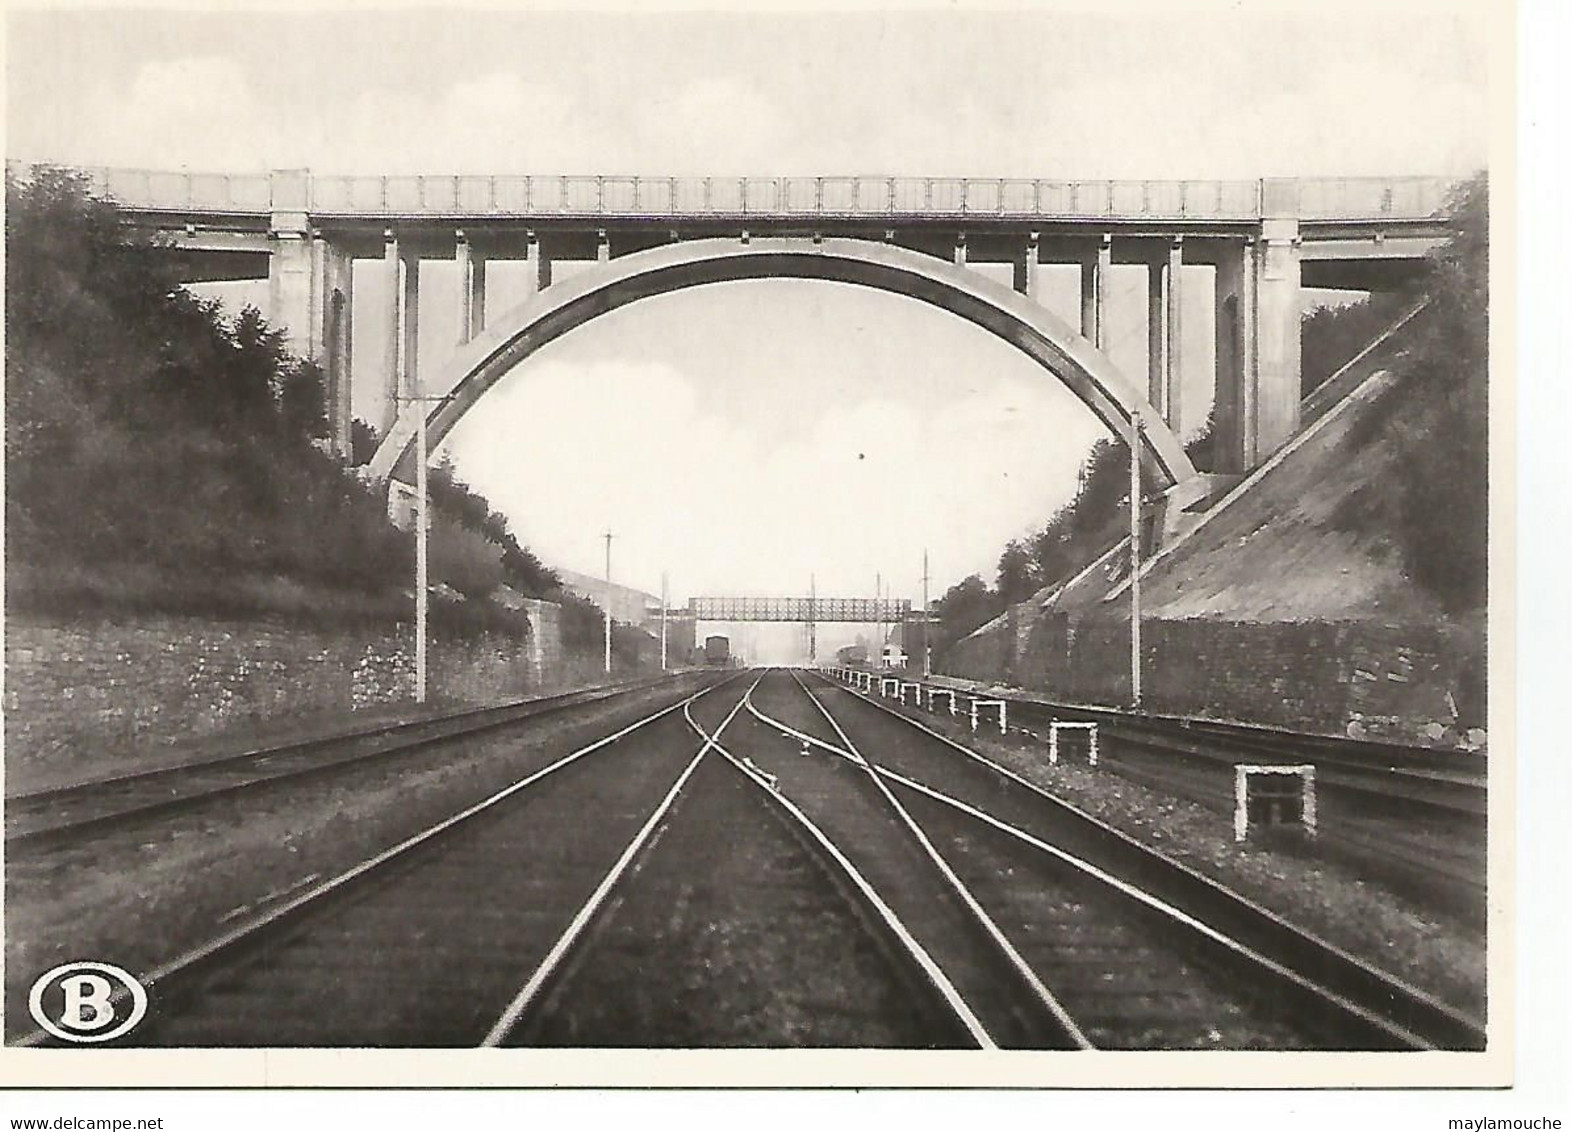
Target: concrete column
602,247
1278,302
1233,416
472,288
390,376
409,383
537,276
1173,374
960,250
316,334
1163,382
337,337
461,263
290,278
1094,285
1026,268
477,293
1157,336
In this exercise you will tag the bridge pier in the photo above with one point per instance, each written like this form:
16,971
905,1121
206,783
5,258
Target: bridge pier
1163,291
1026,265
291,280
1233,411
409,377
472,287
337,272
1278,302
537,274
1094,290
1258,313
388,411
310,296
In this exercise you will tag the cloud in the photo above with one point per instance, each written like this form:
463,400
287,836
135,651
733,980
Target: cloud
198,112
569,449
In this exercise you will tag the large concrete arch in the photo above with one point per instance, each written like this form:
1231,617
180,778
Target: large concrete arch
996,308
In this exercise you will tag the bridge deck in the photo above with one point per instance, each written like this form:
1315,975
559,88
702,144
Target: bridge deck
780,198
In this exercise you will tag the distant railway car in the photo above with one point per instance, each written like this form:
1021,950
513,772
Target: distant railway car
717,651
853,655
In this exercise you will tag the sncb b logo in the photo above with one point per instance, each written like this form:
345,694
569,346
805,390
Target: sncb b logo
87,1002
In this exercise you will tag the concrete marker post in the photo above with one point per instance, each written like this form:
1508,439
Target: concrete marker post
1058,725
1244,772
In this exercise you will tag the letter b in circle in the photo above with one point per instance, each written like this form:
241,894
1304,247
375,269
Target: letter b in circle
87,1002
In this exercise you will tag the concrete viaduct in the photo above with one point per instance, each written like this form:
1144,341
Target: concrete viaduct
1266,239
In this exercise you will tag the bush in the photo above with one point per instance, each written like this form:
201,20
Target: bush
1438,419
160,455
1331,336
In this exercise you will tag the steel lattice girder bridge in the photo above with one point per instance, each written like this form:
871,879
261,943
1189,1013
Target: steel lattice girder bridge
809,609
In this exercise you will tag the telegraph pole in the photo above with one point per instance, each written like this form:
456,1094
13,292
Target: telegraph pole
421,565
813,629
607,610
878,620
1135,558
422,533
663,601
927,667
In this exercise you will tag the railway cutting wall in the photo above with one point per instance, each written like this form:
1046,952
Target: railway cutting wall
135,684
1405,683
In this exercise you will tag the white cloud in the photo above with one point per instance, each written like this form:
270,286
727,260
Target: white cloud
570,449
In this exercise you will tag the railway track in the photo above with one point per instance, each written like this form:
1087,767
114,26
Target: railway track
471,931
775,941
1440,860
1393,777
901,892
445,938
1409,819
993,996
1350,1004
49,818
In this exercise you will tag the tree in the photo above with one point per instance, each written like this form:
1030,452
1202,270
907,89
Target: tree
1443,464
1331,336
1018,573
965,606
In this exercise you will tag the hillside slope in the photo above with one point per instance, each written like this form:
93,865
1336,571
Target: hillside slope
1291,604
1309,539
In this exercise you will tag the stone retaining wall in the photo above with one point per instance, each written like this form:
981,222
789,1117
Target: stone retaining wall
155,680
1400,682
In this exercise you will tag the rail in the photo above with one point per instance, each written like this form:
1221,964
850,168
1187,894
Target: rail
783,198
1403,1010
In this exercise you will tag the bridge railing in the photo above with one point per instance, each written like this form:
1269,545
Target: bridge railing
860,609
1360,198
1372,198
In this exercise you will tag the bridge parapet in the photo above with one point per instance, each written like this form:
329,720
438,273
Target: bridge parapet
784,198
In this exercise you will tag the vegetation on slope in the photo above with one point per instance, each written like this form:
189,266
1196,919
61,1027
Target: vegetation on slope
161,456
155,451
1331,336
1077,533
1434,515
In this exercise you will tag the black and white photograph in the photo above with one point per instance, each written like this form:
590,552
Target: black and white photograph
905,546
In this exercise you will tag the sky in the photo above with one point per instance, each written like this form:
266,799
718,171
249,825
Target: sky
744,437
